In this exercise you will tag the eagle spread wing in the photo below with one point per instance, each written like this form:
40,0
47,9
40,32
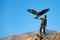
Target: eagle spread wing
32,11
43,11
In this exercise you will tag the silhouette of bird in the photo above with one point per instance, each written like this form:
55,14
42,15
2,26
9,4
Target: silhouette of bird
38,13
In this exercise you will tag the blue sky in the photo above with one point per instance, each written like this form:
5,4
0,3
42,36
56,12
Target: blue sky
14,18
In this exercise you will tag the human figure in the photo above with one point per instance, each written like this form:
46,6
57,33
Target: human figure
43,24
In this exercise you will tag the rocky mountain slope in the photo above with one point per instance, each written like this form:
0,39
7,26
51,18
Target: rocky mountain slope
50,35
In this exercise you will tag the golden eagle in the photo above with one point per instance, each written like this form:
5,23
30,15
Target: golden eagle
38,13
